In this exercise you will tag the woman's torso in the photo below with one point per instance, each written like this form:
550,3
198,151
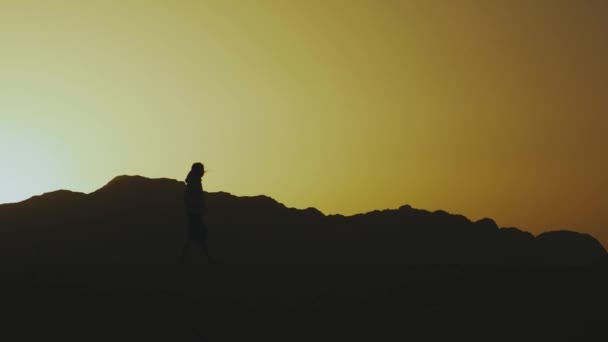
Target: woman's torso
194,197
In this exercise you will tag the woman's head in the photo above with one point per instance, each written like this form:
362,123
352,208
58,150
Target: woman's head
198,169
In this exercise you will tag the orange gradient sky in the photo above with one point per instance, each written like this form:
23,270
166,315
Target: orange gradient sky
483,108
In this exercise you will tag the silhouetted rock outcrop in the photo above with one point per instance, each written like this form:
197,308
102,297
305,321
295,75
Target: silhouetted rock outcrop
456,279
139,220
487,224
567,248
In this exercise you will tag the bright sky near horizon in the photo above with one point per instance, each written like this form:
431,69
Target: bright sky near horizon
479,107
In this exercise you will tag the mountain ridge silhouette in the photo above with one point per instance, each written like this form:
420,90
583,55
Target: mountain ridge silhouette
142,220
109,260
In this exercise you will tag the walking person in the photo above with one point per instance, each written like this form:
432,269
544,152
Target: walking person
194,198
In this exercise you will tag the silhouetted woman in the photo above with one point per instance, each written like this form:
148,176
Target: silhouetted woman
194,198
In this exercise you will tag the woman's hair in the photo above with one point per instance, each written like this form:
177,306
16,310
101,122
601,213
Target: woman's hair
196,173
199,168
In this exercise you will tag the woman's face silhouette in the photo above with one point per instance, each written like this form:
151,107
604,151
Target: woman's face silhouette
198,169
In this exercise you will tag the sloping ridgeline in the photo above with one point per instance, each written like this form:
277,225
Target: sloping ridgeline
104,267
138,220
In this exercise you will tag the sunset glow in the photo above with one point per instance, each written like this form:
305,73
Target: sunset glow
483,108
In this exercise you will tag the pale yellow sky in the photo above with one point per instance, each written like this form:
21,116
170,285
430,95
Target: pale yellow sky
484,108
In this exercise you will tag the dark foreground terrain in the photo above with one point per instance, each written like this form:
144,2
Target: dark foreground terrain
304,303
104,267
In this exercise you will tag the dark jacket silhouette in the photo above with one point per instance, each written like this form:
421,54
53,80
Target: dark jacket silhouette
194,198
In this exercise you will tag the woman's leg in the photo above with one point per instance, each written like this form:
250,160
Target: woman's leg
192,225
185,252
203,240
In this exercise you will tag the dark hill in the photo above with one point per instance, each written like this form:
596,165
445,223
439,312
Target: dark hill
139,220
103,267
